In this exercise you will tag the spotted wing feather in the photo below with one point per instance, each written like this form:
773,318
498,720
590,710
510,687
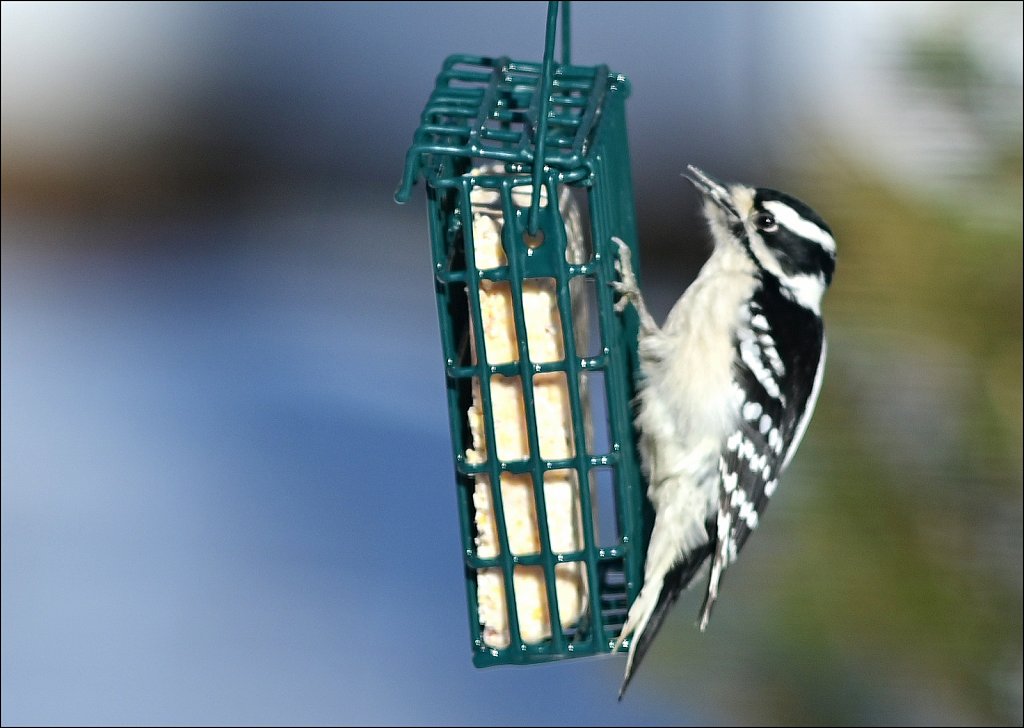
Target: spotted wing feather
778,370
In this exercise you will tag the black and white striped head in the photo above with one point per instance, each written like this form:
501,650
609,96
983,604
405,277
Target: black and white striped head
784,237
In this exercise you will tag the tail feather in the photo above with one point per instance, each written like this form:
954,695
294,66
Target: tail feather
677,579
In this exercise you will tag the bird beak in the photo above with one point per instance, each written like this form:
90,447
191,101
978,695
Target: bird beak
712,189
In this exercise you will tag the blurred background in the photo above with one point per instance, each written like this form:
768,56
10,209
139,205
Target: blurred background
227,488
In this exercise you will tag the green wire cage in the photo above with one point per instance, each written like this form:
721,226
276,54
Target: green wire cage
527,175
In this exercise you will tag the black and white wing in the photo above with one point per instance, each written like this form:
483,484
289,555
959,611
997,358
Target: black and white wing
778,371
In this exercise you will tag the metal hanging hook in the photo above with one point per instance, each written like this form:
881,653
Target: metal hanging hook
547,81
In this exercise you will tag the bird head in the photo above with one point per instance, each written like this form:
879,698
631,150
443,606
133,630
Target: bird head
784,237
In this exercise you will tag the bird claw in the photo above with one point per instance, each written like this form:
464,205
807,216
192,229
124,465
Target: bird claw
626,287
625,296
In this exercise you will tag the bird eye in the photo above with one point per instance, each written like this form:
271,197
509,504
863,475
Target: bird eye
765,221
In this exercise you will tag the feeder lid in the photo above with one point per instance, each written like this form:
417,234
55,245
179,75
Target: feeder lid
489,108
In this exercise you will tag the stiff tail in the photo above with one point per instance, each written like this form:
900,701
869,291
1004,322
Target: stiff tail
650,619
719,561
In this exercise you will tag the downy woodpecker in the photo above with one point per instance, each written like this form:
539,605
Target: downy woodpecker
726,389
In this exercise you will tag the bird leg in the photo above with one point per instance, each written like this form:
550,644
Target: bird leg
629,290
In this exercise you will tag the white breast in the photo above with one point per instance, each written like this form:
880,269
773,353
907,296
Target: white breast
688,401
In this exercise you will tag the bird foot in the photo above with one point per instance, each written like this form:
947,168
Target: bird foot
626,287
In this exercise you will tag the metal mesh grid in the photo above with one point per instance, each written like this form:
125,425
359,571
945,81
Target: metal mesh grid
488,109
484,111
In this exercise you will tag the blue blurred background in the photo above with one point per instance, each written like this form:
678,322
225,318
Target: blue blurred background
227,486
